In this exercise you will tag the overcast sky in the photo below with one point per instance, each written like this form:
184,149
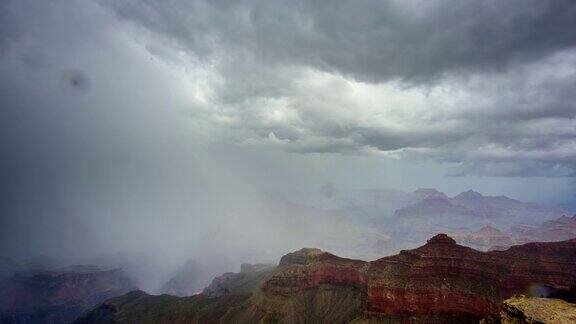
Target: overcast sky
137,110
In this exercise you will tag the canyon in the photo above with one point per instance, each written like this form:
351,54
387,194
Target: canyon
59,295
440,281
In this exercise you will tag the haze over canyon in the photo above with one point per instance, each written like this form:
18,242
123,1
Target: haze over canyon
301,161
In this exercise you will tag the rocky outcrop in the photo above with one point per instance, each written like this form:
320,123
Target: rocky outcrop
302,256
523,310
312,268
437,279
246,281
440,281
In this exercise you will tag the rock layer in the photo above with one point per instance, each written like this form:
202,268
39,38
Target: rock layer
439,278
440,281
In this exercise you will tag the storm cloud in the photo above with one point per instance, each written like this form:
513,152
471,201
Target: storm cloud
367,40
487,82
133,112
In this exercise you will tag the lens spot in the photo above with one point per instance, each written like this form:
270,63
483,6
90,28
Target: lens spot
75,81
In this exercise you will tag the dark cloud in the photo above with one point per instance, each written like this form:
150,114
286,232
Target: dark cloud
147,159
480,81
122,122
368,40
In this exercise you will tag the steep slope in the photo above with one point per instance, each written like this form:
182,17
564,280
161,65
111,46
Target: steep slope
438,282
139,307
312,286
442,277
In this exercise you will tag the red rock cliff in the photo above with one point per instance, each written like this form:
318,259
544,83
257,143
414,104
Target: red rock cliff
438,279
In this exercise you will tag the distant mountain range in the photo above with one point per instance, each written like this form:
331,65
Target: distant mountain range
369,224
491,238
384,203
408,218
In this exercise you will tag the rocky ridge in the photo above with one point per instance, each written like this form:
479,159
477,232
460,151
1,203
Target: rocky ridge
440,281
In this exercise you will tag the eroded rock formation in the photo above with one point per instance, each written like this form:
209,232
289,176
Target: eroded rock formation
437,282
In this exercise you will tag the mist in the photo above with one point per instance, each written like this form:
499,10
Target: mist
131,133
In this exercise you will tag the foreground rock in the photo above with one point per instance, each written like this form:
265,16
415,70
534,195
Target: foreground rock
520,310
438,282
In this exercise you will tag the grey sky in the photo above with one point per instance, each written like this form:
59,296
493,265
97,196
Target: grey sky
485,82
115,114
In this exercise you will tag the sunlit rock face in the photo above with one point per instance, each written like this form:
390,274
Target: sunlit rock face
440,281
